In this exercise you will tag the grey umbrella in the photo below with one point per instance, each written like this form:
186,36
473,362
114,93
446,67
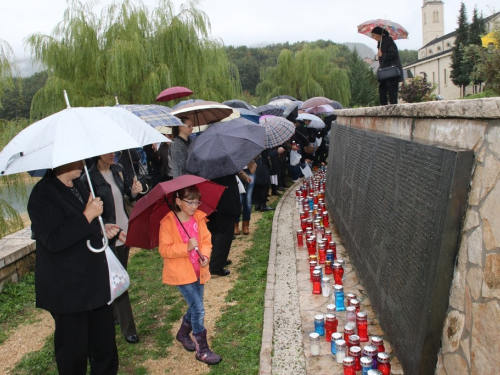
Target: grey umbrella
282,97
235,103
269,110
225,148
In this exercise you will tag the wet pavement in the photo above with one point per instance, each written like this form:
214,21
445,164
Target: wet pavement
290,306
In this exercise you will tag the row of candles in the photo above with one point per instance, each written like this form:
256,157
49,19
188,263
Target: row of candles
371,359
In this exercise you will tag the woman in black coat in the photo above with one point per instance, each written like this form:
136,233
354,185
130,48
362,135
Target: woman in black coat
111,185
71,282
388,55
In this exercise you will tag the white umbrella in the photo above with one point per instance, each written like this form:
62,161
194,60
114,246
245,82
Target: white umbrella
316,122
281,102
76,134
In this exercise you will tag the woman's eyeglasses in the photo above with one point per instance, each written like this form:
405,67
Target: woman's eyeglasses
192,203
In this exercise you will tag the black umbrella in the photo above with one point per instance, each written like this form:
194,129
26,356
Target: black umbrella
292,111
225,148
269,110
282,97
335,105
235,103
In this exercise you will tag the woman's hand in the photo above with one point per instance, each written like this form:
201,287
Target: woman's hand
204,261
111,230
93,208
122,236
136,187
192,243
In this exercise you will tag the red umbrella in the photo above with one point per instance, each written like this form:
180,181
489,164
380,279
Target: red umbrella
173,93
144,223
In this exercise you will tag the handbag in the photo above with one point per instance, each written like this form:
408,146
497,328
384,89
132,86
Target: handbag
119,280
389,72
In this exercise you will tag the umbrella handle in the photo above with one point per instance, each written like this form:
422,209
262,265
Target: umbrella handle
101,223
104,239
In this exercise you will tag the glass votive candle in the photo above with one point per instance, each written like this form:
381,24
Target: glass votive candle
348,331
319,324
384,365
349,297
331,324
378,342
366,364
340,347
316,282
371,351
348,365
335,336
355,352
300,238
362,324
351,315
353,341
354,302
330,308
325,287
328,267
314,343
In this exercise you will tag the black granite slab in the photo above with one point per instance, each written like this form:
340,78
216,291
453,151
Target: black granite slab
399,207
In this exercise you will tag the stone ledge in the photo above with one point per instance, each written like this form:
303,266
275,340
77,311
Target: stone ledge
487,108
16,246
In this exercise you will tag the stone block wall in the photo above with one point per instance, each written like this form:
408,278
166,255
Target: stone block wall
17,256
471,330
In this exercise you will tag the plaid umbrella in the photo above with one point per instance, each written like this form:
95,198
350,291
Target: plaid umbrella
278,130
395,30
154,115
269,110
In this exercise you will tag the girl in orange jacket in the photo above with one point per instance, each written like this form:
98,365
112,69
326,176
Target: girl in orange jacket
185,246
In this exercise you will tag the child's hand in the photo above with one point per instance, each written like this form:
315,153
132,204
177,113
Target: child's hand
192,243
204,261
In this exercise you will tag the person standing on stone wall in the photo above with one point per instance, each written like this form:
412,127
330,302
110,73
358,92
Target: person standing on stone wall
388,55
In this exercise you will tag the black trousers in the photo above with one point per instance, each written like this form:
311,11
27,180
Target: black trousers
391,90
260,193
87,334
121,306
221,226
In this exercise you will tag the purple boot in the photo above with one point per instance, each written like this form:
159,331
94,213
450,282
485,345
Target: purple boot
203,352
183,335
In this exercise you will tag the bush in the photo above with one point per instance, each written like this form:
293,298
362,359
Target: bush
418,90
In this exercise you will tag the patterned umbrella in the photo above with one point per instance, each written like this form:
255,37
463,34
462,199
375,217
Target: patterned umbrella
269,110
395,30
154,115
278,130
281,102
173,93
320,109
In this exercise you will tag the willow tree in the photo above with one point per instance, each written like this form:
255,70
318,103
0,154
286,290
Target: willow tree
7,68
305,74
132,51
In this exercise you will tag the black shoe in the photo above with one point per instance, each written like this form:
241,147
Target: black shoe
228,262
257,207
223,272
117,323
134,339
280,188
266,208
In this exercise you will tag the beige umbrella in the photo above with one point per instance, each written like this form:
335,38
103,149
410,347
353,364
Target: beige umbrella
205,113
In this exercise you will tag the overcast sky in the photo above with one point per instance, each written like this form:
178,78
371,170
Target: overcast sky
259,22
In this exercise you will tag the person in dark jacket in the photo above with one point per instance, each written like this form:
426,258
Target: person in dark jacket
388,55
179,147
221,224
263,180
72,282
111,185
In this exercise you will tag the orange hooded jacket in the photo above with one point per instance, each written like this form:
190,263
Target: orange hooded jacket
177,268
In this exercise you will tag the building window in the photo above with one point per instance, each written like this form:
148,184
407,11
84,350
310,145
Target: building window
448,44
439,48
445,78
430,52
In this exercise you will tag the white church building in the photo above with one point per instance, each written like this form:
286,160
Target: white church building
434,58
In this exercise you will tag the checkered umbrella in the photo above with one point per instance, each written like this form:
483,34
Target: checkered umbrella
154,115
395,30
278,130
269,110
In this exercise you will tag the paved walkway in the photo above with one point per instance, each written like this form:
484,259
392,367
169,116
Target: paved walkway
290,306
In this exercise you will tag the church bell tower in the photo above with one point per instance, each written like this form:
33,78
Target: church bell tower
432,20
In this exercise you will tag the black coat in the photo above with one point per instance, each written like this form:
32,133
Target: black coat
69,278
264,167
229,202
390,57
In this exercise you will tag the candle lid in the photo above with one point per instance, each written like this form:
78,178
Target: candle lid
350,295
351,308
336,265
299,231
319,317
314,336
369,350
349,329
348,361
354,339
330,317
374,372
332,243
354,302
361,314
329,251
341,261
325,279
366,361
338,287
336,336
316,273
383,357
331,307
377,340
340,343
355,351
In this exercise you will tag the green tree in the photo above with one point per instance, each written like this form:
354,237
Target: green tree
304,74
131,51
461,68
364,86
408,56
476,29
7,68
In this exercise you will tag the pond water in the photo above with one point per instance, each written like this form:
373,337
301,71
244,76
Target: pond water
17,202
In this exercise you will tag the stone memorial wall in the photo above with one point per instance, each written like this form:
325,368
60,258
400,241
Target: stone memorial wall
399,207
